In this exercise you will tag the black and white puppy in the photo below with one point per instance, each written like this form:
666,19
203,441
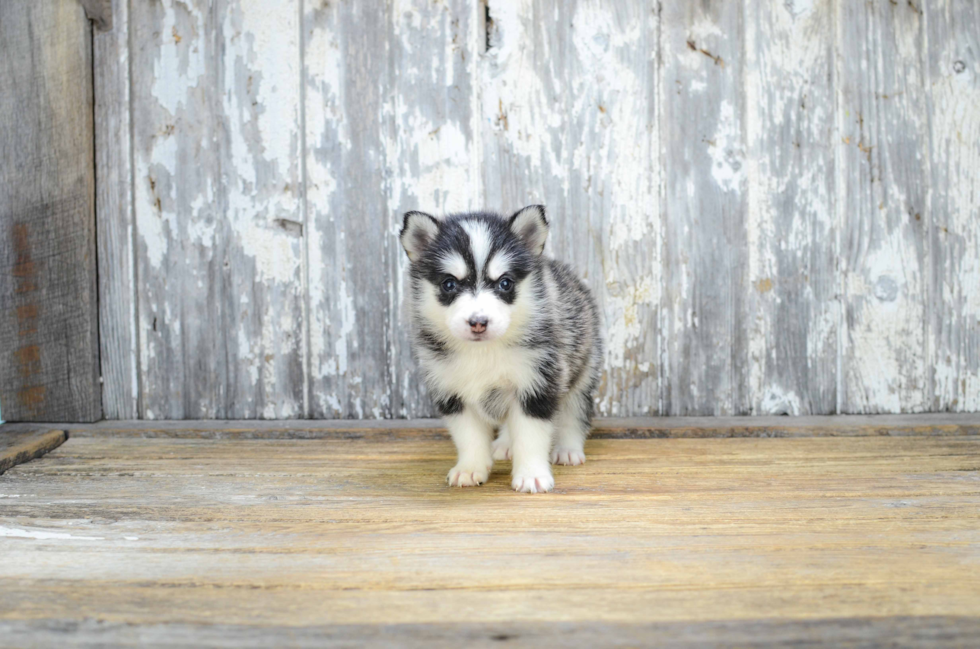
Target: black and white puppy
506,339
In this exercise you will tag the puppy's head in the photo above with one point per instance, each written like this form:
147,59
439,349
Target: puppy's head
471,272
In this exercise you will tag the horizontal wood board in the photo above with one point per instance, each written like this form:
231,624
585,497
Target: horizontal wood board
738,540
23,443
604,428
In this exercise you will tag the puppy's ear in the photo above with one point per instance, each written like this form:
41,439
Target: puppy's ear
418,231
531,226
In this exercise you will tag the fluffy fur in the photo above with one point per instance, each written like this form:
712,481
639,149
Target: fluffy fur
506,339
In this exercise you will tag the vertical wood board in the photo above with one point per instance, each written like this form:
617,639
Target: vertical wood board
953,76
431,119
118,338
346,88
704,158
570,111
791,306
218,209
882,217
49,357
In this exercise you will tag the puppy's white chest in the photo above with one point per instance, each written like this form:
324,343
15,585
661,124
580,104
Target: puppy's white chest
472,374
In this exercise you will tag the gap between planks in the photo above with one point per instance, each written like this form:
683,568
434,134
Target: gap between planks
955,424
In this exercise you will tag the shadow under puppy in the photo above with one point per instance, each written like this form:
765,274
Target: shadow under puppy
506,339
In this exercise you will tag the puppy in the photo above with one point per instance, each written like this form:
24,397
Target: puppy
506,339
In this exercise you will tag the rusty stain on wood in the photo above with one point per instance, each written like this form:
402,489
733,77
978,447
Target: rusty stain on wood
48,318
717,59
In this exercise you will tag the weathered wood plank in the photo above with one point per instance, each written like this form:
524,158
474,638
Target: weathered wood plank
958,424
570,112
885,246
709,201
347,87
952,63
219,218
892,631
431,116
49,348
21,443
261,165
114,219
792,309
705,275
299,533
176,188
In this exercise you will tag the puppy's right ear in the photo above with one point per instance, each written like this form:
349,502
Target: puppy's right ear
418,231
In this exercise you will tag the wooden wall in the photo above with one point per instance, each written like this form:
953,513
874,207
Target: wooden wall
49,345
775,201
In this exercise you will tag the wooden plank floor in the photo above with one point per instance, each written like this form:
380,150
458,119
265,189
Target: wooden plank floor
333,542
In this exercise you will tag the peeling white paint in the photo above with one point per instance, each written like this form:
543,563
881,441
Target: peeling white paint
726,150
568,114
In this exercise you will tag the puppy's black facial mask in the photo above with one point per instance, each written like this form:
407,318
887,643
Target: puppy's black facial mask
450,238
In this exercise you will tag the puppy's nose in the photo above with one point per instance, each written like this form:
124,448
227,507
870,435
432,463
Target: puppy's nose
478,323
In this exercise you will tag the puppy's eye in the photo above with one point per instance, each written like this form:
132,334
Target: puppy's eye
505,284
449,285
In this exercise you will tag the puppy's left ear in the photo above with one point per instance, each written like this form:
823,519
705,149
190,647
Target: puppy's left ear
418,231
531,226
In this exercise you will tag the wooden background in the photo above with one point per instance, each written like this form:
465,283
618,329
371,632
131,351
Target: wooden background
776,201
49,334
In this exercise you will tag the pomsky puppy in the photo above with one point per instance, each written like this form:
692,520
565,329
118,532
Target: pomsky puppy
506,339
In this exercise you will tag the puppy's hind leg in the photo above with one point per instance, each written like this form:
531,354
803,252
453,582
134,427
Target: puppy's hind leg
573,424
501,446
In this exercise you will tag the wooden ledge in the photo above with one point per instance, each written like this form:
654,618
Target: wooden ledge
605,428
21,443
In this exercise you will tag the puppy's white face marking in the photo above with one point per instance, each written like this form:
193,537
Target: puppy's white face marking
470,306
479,242
499,264
464,302
455,265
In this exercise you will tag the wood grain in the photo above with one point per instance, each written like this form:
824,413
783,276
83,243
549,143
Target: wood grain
345,76
21,443
952,72
49,347
773,201
706,278
219,219
885,247
570,114
431,120
791,306
795,536
118,336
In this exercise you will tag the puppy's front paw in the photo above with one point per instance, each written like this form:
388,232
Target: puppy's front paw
501,448
533,481
464,475
568,456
